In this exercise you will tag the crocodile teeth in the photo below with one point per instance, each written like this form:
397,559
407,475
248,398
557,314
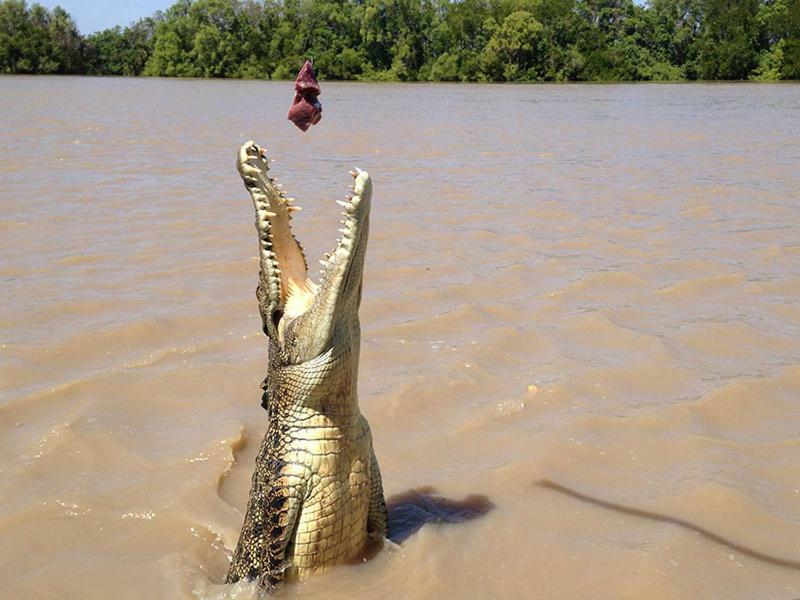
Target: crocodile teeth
294,208
353,174
342,203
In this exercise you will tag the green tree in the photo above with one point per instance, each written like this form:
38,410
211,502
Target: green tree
65,42
395,37
677,32
730,42
214,48
120,51
780,54
563,60
36,40
457,39
515,50
174,37
790,68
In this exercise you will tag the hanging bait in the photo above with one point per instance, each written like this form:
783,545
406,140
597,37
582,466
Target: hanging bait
306,109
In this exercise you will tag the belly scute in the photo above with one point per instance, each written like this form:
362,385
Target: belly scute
332,527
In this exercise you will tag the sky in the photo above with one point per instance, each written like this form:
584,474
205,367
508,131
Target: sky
96,15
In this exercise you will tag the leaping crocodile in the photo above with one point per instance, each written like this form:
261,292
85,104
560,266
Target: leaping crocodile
316,495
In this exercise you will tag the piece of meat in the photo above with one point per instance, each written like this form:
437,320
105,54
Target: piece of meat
306,109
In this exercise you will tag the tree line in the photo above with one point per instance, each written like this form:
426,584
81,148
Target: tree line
420,40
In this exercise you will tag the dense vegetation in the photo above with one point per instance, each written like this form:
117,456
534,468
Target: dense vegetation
409,40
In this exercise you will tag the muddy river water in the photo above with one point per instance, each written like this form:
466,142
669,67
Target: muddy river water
580,334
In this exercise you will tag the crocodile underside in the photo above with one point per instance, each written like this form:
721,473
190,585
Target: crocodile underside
316,496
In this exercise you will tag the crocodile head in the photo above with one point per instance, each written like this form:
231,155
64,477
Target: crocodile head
302,317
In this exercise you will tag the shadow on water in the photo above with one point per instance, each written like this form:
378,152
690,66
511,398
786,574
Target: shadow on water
410,510
654,516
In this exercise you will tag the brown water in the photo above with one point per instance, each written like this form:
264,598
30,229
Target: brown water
594,286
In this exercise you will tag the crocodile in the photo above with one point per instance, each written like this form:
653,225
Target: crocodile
316,497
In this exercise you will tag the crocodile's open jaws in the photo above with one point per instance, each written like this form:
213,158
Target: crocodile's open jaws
316,494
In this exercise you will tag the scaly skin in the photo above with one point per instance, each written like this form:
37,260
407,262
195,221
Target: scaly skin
316,495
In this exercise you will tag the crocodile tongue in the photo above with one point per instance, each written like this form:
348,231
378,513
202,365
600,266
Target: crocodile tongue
306,109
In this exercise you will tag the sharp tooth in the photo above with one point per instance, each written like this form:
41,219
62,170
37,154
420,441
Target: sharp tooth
341,221
270,214
290,199
341,203
344,231
323,263
359,171
353,174
294,208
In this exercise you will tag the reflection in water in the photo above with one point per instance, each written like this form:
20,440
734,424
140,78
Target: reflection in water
654,516
409,511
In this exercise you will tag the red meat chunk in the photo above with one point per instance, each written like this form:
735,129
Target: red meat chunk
306,109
